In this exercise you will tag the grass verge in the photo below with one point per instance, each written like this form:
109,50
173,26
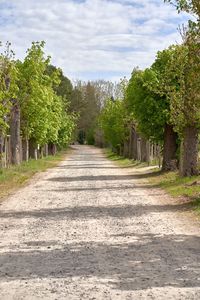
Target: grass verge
178,187
16,176
123,162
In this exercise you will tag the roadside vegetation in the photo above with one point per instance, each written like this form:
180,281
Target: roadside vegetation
152,118
183,189
17,175
161,105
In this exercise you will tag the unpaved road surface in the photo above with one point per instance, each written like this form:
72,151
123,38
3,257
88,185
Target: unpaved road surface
89,230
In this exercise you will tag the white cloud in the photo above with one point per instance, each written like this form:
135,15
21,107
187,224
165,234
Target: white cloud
98,38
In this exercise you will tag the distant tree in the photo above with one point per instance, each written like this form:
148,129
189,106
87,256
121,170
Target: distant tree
64,88
112,121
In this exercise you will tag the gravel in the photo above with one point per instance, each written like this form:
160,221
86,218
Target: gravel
88,229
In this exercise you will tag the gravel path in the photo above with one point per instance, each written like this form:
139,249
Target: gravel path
89,230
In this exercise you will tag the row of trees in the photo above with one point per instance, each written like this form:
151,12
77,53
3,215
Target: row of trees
40,106
34,103
88,98
163,101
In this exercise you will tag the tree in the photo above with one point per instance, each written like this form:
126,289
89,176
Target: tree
112,121
64,87
63,91
9,104
185,104
86,103
161,87
41,108
190,6
186,99
151,109
34,94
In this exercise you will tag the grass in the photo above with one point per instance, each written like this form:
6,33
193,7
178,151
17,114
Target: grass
176,186
123,162
179,187
16,176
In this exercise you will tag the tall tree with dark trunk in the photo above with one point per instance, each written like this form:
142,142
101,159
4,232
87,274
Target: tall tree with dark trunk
151,109
185,104
186,99
162,86
169,149
8,92
15,132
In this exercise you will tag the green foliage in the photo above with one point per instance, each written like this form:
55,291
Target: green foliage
43,105
190,6
184,67
8,84
43,93
35,94
67,128
90,136
150,110
85,101
63,86
113,122
182,74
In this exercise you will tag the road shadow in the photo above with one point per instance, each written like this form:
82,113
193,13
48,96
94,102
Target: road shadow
107,188
145,261
91,178
95,212
87,158
80,167
102,177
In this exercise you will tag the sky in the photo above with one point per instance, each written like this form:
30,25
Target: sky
92,39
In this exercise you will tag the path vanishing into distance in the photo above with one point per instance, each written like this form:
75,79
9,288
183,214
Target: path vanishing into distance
88,229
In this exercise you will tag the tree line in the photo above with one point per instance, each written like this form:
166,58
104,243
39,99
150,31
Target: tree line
163,101
41,109
159,105
34,104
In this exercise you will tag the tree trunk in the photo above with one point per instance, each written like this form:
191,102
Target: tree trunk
139,156
126,149
2,140
45,153
15,133
189,152
25,149
130,142
133,144
121,150
144,153
32,149
169,150
148,152
52,149
40,152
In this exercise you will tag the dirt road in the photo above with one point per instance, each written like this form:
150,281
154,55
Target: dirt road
89,230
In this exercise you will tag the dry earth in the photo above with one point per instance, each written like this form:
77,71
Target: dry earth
89,230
